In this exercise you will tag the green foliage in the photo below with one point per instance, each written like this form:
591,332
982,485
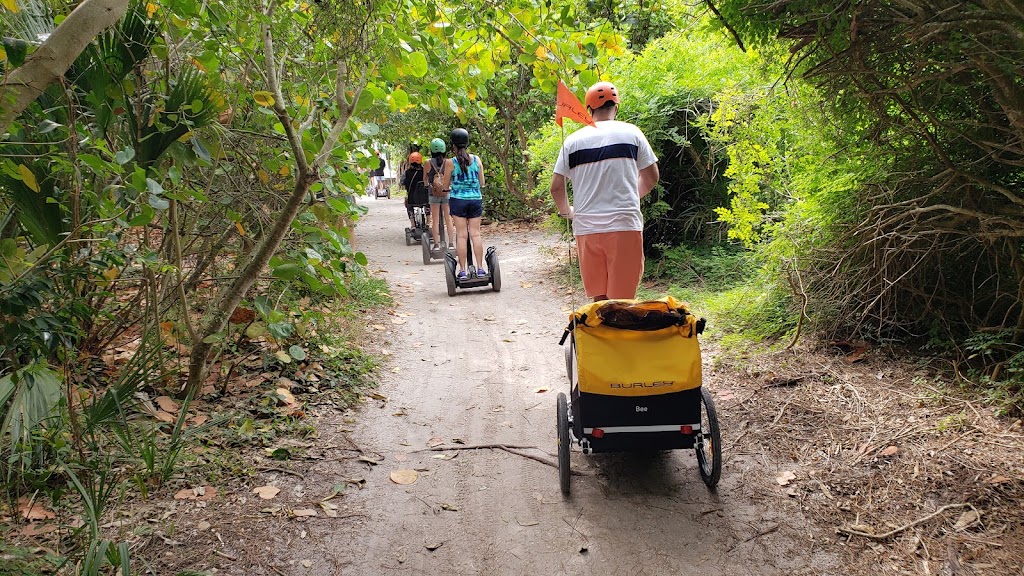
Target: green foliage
28,400
27,561
702,268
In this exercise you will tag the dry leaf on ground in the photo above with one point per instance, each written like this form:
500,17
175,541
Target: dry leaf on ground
404,476
33,510
785,477
266,492
434,442
164,417
285,398
202,493
889,451
166,404
304,512
966,520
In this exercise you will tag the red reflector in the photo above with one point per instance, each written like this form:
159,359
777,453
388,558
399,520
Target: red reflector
597,433
686,429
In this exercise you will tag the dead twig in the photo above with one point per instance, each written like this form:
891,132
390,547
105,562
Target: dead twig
764,532
282,470
510,448
852,532
226,555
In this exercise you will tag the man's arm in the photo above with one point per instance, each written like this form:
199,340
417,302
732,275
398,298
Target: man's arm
648,178
558,194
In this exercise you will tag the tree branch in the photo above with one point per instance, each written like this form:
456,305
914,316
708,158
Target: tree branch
53,58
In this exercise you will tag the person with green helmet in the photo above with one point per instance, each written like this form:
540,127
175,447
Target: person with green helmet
435,177
466,179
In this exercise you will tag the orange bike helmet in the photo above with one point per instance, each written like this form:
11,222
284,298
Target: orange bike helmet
415,158
601,93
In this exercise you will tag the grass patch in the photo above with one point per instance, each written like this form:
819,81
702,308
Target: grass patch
18,561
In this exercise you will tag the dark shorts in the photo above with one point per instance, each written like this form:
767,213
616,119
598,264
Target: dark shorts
466,208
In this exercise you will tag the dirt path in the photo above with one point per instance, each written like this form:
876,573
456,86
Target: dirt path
472,369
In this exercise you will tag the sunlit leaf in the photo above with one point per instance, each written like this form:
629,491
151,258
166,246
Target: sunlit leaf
28,177
263,98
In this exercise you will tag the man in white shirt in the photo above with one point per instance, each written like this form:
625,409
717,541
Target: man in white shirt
611,167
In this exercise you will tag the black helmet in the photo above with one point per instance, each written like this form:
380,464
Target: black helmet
459,137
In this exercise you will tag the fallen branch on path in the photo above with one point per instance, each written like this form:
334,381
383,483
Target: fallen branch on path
895,531
764,532
510,448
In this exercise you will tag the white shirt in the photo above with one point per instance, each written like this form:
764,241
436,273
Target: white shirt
604,165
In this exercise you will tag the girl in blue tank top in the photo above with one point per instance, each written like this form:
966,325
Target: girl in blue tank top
465,202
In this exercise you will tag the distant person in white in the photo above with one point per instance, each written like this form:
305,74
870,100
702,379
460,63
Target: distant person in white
611,167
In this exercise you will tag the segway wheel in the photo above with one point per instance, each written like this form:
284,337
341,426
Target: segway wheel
495,273
563,443
425,241
709,443
449,276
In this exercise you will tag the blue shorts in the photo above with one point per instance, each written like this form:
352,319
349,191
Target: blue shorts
466,208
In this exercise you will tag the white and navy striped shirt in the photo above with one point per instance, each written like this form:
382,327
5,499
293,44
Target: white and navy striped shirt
604,165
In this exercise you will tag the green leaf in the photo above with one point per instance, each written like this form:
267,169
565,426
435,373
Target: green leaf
154,187
144,217
124,156
286,271
16,50
8,248
47,126
418,64
283,357
400,98
158,202
297,352
360,258
281,330
200,150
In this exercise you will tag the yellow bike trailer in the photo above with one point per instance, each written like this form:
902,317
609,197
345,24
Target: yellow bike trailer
634,370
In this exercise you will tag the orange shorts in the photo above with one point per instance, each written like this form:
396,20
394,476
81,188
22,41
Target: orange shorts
611,263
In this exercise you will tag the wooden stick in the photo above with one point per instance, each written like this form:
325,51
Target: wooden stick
891,533
764,532
511,449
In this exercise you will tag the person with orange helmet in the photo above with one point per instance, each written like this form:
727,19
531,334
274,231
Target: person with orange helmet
411,180
611,166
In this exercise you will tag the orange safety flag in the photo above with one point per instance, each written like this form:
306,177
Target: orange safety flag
569,106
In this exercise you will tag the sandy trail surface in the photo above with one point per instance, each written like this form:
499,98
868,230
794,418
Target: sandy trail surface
484,368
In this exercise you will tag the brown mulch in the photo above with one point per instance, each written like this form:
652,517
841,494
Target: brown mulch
909,475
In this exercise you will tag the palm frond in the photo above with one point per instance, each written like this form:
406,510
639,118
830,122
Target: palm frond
104,65
191,104
28,398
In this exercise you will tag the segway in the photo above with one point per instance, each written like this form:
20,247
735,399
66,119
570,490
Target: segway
419,201
442,245
451,265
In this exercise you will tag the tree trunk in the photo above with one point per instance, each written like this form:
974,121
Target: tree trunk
53,58
230,298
